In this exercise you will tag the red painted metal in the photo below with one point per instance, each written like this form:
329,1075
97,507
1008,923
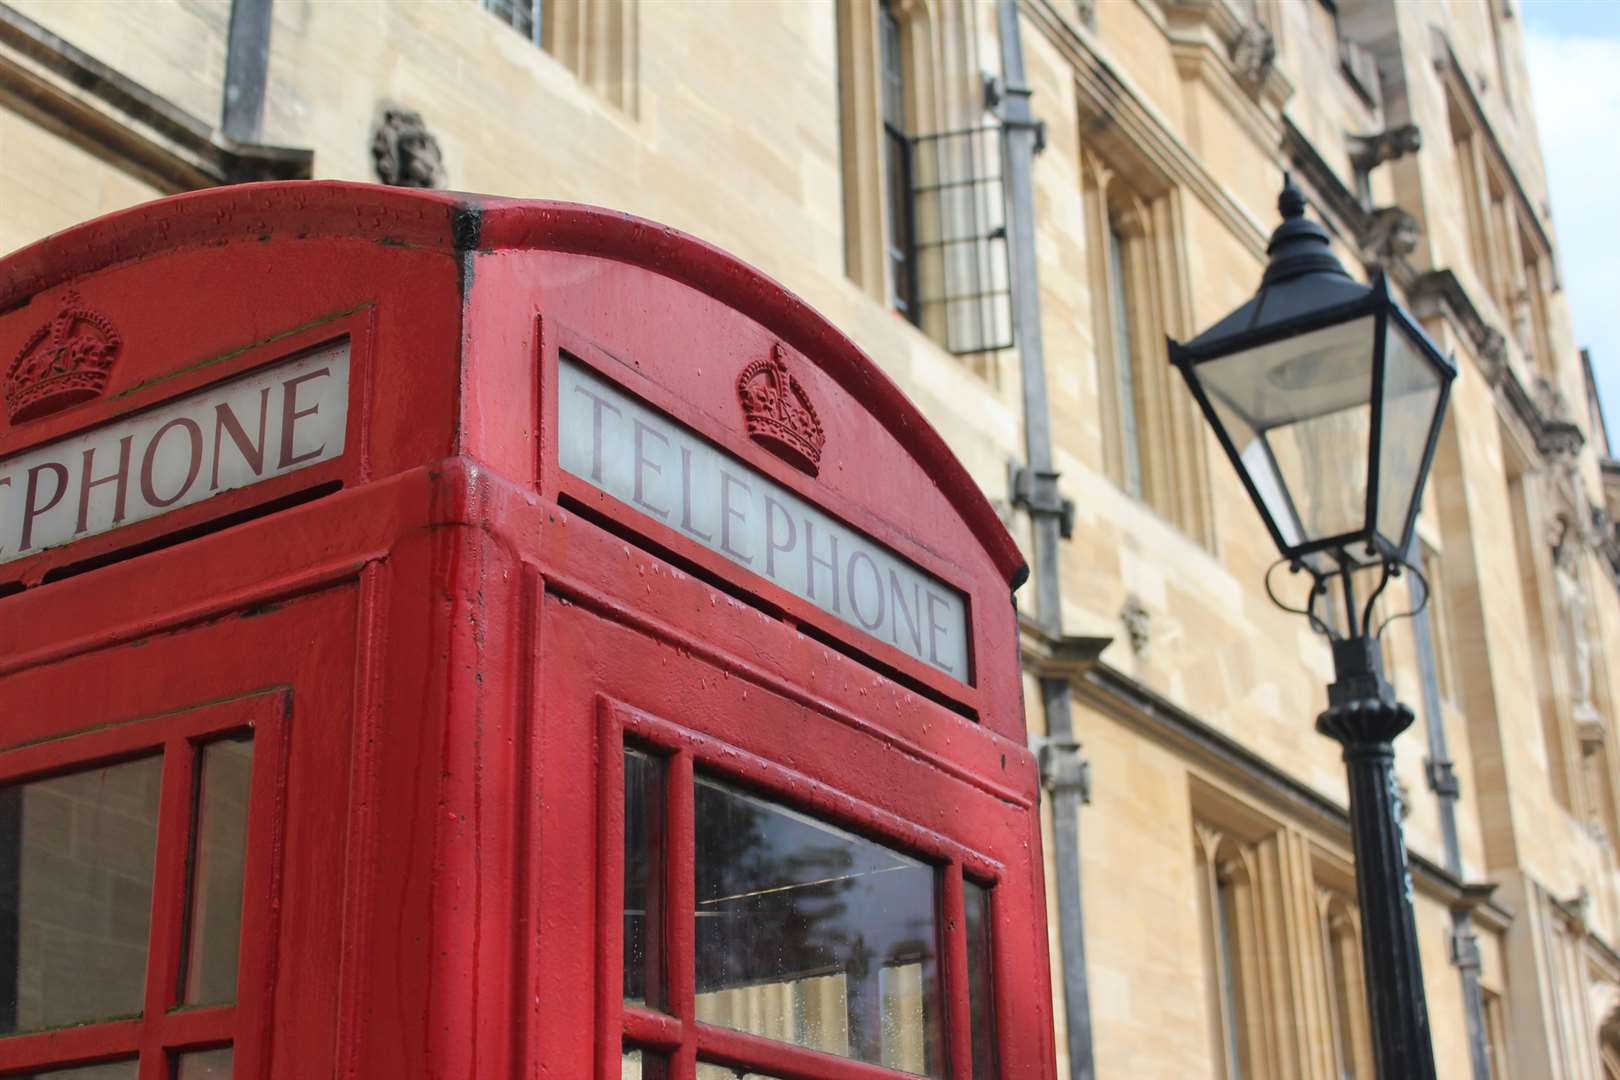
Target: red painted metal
441,640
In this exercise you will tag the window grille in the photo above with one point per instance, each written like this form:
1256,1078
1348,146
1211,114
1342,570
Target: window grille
524,16
960,262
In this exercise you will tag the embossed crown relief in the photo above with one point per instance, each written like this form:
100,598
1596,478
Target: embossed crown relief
779,413
63,363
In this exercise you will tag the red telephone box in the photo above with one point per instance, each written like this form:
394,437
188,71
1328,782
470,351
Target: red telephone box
457,637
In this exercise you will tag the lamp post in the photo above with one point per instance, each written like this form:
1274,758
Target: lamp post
1328,399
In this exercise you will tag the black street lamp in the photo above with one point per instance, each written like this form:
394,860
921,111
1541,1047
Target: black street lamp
1328,399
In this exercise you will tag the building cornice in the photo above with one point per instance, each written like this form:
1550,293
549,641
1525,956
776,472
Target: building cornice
1107,102
68,92
1199,58
1122,697
1236,58
1541,434
1056,656
1439,292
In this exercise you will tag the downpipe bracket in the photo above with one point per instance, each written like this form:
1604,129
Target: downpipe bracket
997,92
1063,768
1037,493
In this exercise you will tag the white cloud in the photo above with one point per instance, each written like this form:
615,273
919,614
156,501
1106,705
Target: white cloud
1576,86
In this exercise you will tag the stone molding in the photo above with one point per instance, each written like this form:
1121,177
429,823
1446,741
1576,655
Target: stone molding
1533,417
404,152
1108,102
1439,292
1117,694
1456,80
1056,656
68,92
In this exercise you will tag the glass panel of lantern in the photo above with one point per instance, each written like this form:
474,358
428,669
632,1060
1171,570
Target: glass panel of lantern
1298,413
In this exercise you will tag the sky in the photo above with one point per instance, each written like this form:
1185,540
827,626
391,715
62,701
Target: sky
1574,53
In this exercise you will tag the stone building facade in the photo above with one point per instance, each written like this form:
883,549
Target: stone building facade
850,148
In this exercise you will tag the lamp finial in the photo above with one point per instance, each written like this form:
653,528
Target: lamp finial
1291,203
1299,245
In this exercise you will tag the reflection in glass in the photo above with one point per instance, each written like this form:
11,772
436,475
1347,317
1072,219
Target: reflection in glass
1411,392
1298,412
76,855
640,1065
643,878
709,1071
981,1007
204,1065
117,1070
813,936
218,843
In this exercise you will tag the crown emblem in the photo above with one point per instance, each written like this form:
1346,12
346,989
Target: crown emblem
64,362
779,414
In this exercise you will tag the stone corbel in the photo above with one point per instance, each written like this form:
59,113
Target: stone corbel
1558,440
1367,152
1607,539
1438,292
1576,911
1389,235
403,151
1590,729
1250,47
1138,622
1254,56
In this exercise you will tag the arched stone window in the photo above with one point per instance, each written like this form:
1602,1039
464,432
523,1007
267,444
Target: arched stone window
1345,991
924,213
1234,951
1152,446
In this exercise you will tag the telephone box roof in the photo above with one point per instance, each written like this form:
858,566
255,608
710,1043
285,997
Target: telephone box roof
455,223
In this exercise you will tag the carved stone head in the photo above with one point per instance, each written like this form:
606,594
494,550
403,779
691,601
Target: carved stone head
405,153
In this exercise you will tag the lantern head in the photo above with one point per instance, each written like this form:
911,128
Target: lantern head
1328,399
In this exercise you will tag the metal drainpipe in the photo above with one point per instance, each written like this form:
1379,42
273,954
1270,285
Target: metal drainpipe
247,69
1035,488
1443,782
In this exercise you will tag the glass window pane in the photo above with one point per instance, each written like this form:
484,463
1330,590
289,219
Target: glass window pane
709,1071
902,246
981,1006
76,858
813,936
219,842
1119,314
1298,412
1411,392
116,1070
204,1065
894,68
640,1065
643,878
